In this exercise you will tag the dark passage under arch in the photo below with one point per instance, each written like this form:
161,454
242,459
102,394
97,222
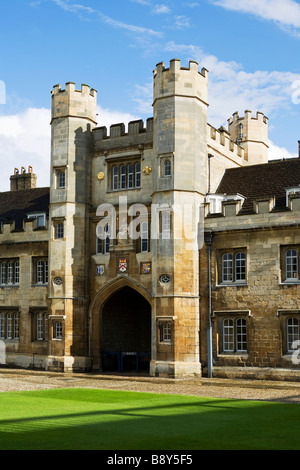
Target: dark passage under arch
126,332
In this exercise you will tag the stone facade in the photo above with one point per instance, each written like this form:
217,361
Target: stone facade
88,295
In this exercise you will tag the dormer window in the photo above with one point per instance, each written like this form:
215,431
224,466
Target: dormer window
291,192
40,218
215,201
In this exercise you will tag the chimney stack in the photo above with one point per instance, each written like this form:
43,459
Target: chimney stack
21,180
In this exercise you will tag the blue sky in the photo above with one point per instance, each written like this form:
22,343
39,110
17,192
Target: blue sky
251,50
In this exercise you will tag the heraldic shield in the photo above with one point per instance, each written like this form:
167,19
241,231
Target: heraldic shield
123,265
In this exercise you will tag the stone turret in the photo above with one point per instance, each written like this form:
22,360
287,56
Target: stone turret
251,133
180,181
73,119
180,122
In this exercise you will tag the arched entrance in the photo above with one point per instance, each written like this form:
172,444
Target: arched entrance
122,307
119,300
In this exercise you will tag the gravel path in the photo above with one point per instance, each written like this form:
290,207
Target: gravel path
20,380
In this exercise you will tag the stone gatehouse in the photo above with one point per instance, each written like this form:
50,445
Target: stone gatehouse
168,246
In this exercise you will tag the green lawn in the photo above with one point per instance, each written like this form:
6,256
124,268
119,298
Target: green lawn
115,420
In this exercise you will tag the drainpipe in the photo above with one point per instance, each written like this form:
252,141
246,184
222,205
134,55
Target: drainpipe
209,171
209,237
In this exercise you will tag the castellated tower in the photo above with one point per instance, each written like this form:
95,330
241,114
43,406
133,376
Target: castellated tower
251,133
73,118
180,145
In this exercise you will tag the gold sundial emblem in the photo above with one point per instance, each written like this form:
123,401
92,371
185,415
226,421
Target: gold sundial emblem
100,176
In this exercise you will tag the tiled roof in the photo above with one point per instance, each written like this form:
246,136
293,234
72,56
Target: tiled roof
15,205
258,181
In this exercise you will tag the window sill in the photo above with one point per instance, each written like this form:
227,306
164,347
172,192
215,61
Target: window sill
40,285
6,340
232,354
122,190
290,283
9,285
290,355
232,284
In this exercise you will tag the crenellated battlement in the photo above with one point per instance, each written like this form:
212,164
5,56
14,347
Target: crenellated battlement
180,81
71,88
175,67
251,133
260,117
220,140
71,102
30,231
228,206
118,130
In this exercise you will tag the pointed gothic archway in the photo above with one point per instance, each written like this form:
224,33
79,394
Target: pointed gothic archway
120,327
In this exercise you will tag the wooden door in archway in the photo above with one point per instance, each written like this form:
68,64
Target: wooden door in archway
126,332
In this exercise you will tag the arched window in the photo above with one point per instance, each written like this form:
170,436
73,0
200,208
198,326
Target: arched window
9,326
166,332
234,335
137,175
167,167
3,273
40,327
107,238
10,272
103,240
2,326
144,237
16,272
292,327
58,331
16,325
61,179
240,266
228,335
291,259
41,271
60,230
241,335
227,265
123,176
115,177
45,326
130,176
166,224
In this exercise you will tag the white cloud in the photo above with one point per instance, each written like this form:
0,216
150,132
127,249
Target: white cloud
231,88
87,13
286,13
181,21
107,117
277,153
161,9
24,141
141,2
